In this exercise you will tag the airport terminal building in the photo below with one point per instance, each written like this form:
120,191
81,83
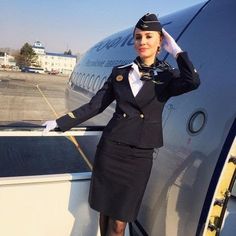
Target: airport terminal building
54,62
7,60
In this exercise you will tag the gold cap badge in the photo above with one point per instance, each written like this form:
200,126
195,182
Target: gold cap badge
119,78
71,115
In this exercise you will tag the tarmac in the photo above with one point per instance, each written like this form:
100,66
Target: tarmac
35,98
31,97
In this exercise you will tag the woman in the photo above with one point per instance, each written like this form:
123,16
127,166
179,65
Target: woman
123,158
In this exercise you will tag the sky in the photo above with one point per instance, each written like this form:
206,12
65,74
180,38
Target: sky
61,25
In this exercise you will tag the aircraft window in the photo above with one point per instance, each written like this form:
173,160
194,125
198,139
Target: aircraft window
91,81
82,80
76,78
196,122
75,75
79,79
86,81
96,83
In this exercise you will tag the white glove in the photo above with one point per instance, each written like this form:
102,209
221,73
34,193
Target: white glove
50,125
170,45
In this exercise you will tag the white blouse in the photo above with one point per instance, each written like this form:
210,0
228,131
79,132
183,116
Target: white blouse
134,79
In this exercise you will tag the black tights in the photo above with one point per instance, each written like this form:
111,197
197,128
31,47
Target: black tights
111,227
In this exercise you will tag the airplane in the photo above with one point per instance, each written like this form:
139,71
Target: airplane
192,188
199,127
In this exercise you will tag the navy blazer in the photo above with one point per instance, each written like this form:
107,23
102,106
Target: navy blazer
137,120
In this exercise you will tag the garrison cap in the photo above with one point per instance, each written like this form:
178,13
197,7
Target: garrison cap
149,22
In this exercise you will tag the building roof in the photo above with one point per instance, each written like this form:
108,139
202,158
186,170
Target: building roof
59,54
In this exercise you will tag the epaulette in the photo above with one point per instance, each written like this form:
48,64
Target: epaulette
124,66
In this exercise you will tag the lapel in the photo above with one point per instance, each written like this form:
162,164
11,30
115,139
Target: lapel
152,89
147,93
124,86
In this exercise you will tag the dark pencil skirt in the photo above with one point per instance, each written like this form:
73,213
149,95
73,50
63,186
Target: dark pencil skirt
119,179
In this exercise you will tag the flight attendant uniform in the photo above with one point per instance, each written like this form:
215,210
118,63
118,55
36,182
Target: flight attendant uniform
123,159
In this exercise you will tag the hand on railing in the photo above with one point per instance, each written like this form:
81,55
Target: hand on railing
50,125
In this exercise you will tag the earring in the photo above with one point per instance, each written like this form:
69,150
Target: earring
158,49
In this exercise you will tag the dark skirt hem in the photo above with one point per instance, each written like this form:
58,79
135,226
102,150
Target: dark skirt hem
119,179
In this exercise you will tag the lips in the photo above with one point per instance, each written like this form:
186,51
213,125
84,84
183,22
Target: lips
142,49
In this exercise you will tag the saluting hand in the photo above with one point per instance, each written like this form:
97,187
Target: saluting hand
50,125
170,45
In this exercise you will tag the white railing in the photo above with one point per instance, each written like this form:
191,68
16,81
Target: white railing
46,205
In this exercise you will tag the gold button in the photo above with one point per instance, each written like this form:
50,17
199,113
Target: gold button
142,116
124,115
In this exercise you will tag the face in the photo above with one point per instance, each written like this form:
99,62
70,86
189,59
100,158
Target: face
146,44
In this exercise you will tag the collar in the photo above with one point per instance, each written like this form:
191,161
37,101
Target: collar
135,69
